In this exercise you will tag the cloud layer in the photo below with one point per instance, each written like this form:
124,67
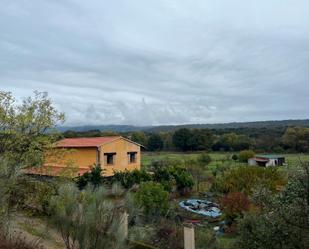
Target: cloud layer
157,61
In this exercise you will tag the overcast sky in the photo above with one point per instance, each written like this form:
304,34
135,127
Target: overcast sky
149,62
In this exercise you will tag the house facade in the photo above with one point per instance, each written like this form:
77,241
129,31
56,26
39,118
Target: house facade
79,154
266,160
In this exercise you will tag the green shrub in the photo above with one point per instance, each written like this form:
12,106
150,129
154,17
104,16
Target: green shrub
244,155
221,168
128,178
245,179
282,219
163,175
183,178
205,238
140,245
166,163
152,198
140,237
168,172
32,195
94,177
87,219
203,159
169,234
198,173
234,157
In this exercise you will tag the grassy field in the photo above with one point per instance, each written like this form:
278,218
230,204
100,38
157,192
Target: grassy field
217,157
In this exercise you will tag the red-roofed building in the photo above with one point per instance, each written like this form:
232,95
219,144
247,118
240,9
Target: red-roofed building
85,142
75,156
267,160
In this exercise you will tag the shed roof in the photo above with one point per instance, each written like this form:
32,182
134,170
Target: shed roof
85,141
268,156
264,160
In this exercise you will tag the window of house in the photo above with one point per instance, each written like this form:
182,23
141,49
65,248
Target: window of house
132,157
109,158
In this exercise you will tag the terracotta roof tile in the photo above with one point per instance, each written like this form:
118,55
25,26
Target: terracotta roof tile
56,170
84,142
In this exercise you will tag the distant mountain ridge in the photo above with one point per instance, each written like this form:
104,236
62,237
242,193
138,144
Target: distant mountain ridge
166,128
115,128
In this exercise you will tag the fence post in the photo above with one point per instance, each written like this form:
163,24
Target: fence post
189,239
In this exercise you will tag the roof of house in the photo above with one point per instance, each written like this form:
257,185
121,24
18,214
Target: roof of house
85,141
56,170
268,156
260,159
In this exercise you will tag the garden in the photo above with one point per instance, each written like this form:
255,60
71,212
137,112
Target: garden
228,203
88,212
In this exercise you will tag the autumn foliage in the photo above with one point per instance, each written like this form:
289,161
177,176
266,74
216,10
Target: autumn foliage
234,204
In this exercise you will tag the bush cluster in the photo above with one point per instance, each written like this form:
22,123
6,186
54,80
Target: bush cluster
165,172
129,178
246,179
94,177
32,195
244,155
234,204
281,221
170,172
87,219
152,198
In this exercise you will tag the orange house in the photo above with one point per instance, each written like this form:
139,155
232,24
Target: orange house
111,153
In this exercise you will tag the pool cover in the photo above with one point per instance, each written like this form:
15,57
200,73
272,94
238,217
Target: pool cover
203,207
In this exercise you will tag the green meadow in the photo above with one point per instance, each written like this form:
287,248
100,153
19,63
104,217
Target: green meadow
217,157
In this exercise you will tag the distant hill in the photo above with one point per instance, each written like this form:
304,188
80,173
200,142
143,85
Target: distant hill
115,128
235,125
166,128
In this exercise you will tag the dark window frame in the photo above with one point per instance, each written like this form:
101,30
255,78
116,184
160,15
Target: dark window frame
110,158
132,157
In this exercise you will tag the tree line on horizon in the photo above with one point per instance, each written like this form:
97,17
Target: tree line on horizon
172,128
266,139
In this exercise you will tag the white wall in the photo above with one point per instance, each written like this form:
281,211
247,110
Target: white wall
272,162
252,162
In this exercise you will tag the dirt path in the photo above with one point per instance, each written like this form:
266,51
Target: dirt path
36,229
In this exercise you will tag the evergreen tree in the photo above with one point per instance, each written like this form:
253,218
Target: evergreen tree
155,142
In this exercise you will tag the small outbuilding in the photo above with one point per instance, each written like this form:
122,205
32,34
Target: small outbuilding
266,160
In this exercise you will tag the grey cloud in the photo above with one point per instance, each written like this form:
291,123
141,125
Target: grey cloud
159,62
